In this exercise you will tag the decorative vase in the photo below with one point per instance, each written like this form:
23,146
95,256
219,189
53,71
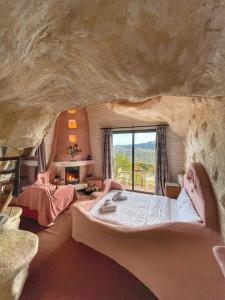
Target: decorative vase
73,151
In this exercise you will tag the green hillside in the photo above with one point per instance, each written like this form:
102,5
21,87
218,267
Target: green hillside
144,153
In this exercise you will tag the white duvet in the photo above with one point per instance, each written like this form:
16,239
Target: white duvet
138,210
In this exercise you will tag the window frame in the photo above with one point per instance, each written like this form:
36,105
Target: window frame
133,131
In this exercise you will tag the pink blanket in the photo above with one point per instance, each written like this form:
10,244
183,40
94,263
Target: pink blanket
47,200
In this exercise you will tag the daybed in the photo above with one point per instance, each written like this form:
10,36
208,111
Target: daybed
175,260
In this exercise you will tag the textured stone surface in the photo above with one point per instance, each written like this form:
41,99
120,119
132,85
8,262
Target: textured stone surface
17,249
56,54
26,244
174,110
209,147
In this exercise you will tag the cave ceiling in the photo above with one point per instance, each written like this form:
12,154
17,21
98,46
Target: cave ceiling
59,54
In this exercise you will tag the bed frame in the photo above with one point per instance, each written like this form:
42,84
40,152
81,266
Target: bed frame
200,190
174,260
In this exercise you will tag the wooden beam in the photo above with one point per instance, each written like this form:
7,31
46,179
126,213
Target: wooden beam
6,158
7,171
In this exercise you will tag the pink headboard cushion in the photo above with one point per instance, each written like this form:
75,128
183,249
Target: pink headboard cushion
200,190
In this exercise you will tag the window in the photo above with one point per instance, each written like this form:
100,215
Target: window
134,159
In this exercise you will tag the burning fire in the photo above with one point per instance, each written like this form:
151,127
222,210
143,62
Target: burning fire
70,177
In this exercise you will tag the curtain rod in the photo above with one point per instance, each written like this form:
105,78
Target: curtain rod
147,126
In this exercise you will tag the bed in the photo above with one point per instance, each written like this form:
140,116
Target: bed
173,259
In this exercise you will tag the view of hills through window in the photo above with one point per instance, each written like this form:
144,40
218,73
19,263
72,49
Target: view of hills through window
134,159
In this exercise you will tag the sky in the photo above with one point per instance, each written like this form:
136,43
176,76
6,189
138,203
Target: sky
126,138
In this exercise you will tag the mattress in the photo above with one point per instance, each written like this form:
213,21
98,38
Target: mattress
138,210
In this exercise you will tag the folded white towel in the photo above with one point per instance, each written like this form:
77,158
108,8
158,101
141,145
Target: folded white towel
116,196
108,208
121,198
107,202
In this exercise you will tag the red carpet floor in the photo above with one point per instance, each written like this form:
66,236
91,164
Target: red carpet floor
64,269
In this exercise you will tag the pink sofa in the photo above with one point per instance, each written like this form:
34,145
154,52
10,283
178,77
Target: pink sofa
42,201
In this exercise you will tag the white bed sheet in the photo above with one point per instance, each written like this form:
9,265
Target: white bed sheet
138,210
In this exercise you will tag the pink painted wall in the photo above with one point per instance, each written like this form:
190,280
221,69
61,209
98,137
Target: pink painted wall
61,136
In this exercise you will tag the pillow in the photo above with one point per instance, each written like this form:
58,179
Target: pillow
185,209
219,253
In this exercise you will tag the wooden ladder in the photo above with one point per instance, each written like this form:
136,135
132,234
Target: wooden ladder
13,180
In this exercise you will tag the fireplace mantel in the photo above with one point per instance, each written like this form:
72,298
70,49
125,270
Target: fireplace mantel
75,163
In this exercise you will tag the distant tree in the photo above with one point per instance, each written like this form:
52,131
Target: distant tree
143,165
151,168
121,161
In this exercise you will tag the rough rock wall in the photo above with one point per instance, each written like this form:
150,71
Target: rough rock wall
205,143
176,111
58,54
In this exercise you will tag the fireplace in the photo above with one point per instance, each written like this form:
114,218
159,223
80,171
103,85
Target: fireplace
72,175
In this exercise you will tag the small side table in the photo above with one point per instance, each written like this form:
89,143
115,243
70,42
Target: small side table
172,189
